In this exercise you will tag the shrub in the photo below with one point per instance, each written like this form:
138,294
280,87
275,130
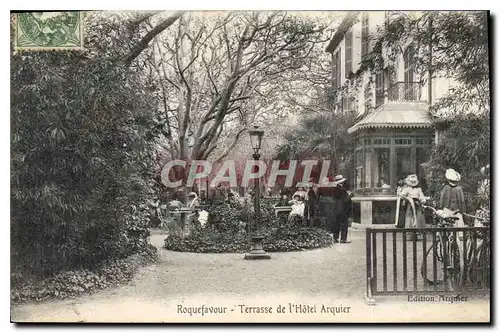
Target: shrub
82,134
276,240
76,282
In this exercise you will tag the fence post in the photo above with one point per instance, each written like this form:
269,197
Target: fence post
368,295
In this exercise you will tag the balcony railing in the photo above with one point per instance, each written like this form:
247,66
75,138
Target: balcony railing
405,91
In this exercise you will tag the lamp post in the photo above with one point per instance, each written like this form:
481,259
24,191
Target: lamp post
257,251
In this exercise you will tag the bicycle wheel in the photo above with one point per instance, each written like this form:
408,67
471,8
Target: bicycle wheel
432,268
456,267
479,269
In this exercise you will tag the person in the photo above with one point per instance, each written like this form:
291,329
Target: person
400,223
384,185
203,196
326,206
284,197
342,198
484,199
193,200
298,207
452,200
216,194
401,185
312,202
415,198
302,192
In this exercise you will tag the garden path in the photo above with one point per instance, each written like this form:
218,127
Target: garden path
330,276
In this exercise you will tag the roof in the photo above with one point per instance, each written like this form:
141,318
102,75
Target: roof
346,23
396,115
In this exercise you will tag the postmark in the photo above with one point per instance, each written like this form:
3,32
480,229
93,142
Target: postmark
48,31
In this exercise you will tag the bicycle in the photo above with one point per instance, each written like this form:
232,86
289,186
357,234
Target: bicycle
447,250
478,253
443,252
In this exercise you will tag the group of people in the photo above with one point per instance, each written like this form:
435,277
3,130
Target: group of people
451,200
332,201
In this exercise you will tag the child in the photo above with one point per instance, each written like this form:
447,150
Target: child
298,207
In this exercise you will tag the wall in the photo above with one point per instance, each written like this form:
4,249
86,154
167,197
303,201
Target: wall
440,84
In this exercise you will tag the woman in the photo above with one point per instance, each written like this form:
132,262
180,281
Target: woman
400,204
312,203
302,192
452,197
192,203
412,193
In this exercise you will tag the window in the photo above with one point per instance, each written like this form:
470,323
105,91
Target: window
367,95
409,63
423,155
336,71
365,42
379,88
359,169
348,53
381,141
403,142
425,141
347,104
381,167
403,162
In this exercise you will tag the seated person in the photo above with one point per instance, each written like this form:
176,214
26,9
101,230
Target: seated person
298,207
383,184
284,199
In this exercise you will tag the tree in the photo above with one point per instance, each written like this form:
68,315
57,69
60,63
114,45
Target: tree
81,150
218,75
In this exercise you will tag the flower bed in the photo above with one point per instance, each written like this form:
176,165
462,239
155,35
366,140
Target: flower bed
276,240
76,282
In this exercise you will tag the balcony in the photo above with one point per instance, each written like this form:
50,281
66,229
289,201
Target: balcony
405,92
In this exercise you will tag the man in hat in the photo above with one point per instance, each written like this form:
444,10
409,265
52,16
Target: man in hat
342,199
312,202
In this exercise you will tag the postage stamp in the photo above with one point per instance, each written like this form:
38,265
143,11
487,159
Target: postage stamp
48,30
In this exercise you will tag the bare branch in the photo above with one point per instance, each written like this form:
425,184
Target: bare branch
143,44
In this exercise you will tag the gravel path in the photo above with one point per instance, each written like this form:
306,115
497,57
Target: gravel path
319,278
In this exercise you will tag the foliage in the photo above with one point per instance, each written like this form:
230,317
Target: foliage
323,134
465,147
73,283
81,145
276,240
460,51
232,218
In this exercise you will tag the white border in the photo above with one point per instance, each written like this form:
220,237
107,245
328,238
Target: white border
189,5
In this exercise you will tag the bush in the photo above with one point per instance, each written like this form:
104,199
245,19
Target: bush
465,147
231,218
276,240
73,283
82,150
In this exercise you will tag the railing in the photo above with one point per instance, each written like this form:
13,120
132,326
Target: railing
375,191
405,91
445,260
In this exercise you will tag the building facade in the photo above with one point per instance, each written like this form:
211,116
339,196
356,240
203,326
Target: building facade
395,133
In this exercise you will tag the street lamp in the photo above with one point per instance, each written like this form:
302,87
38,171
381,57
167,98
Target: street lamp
257,251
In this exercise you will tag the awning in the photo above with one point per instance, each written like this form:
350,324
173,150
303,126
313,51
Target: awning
396,115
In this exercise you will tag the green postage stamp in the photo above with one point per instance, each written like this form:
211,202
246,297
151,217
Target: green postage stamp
48,30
